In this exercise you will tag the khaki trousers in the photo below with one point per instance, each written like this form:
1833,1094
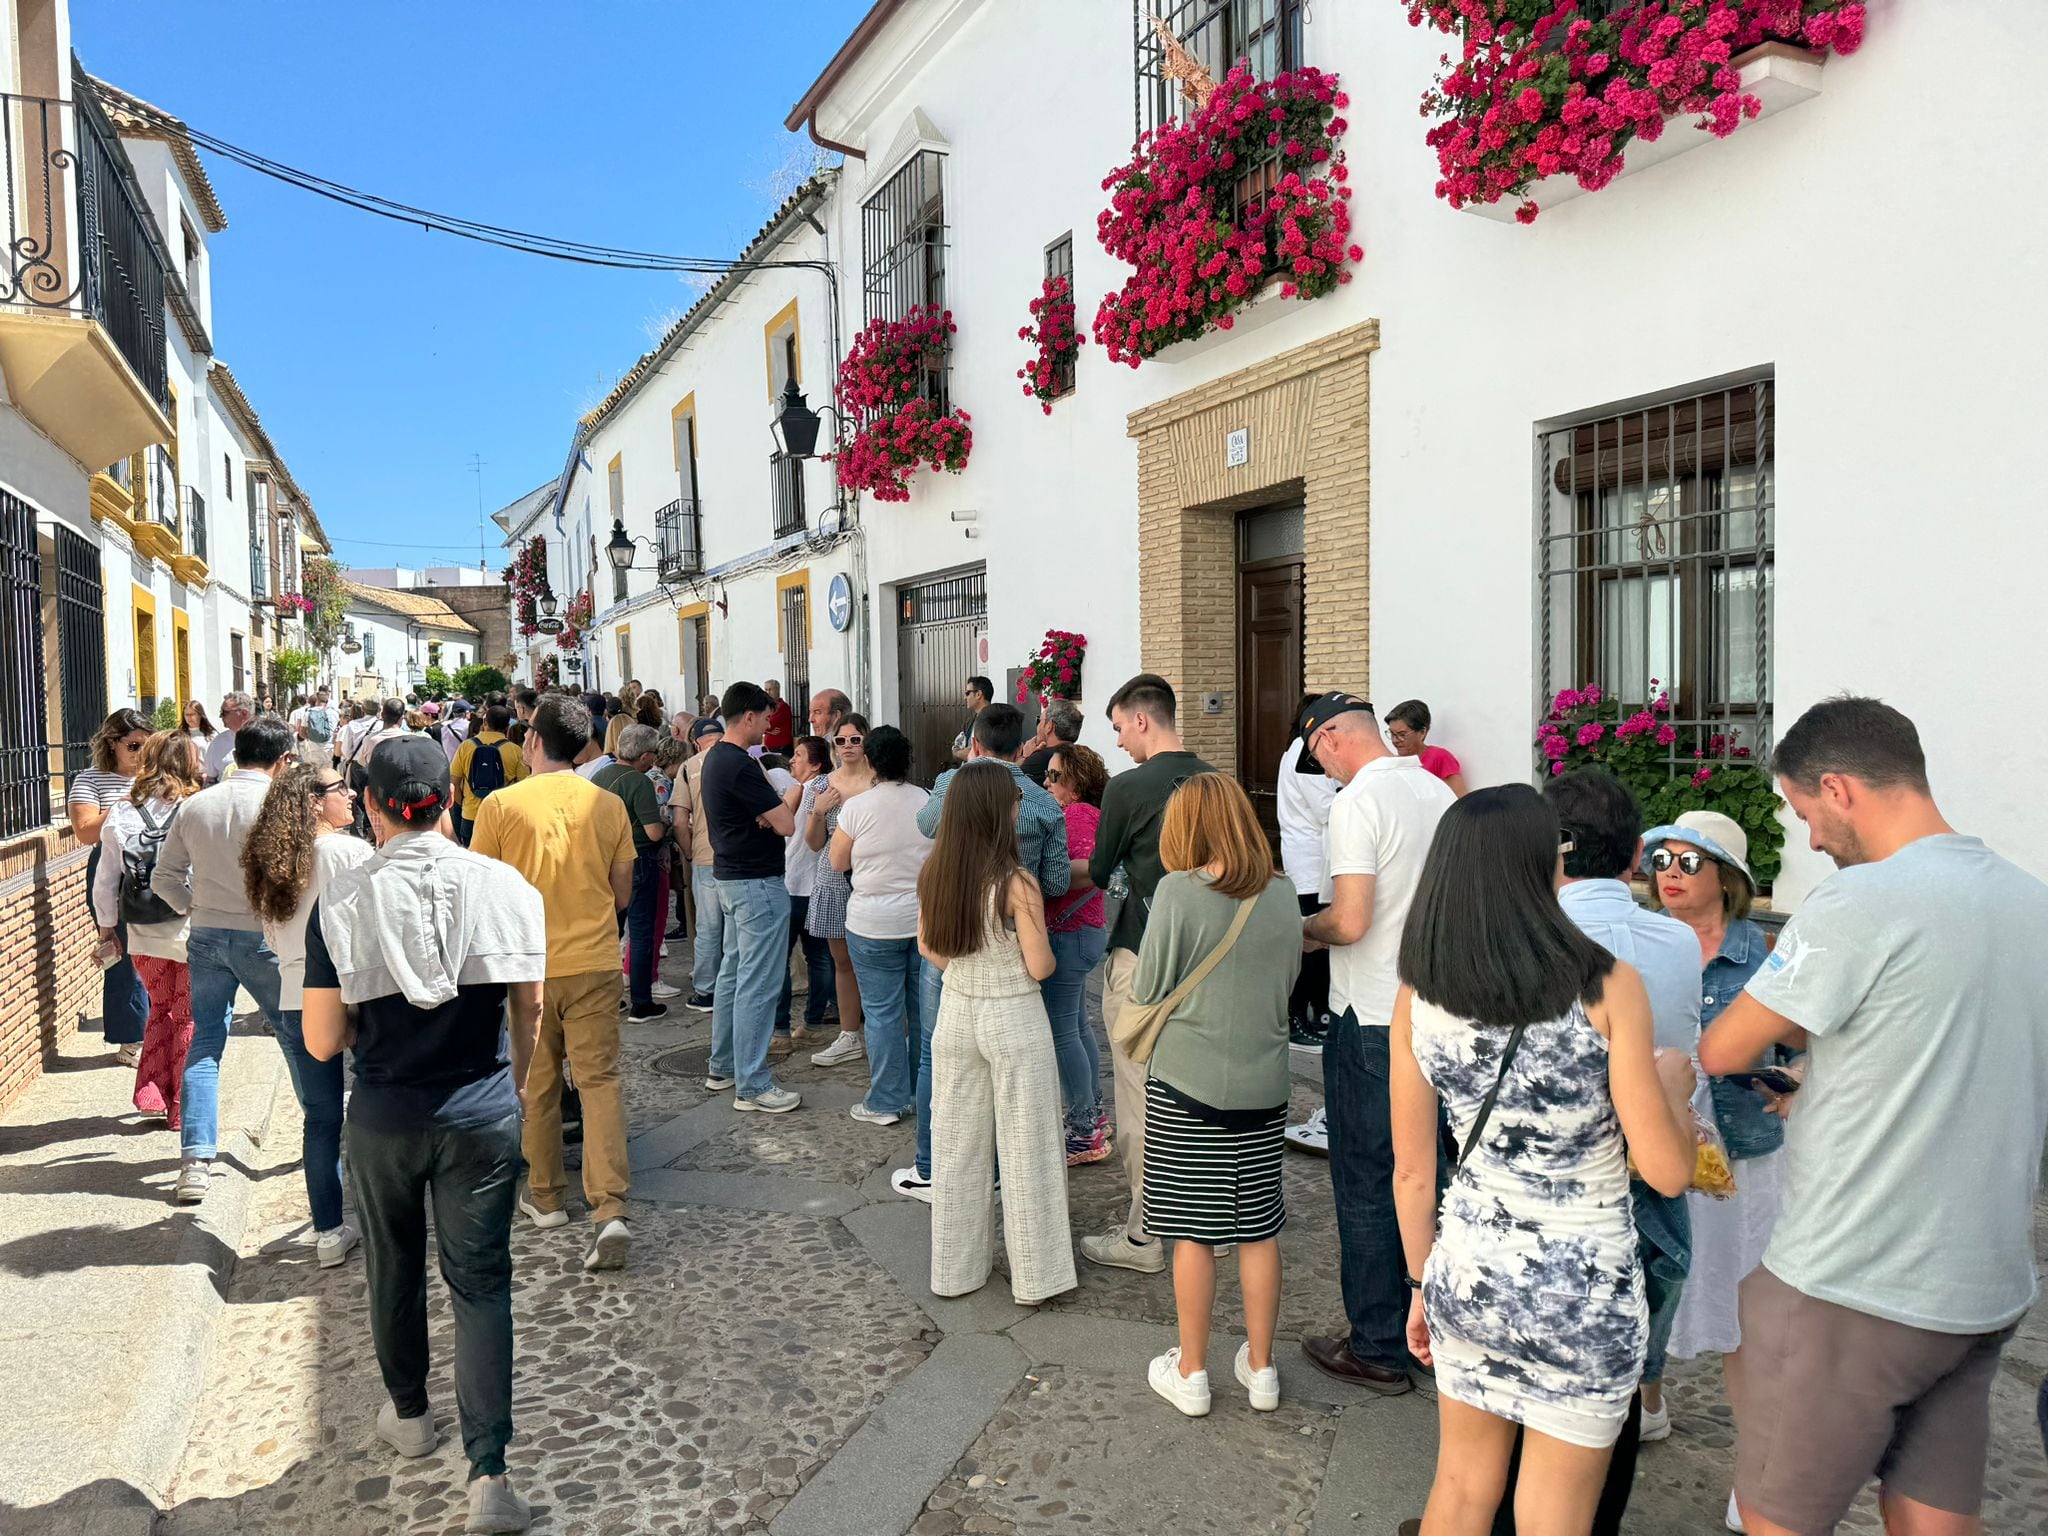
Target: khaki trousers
579,1019
1117,975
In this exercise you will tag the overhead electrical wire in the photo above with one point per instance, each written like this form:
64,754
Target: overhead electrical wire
526,241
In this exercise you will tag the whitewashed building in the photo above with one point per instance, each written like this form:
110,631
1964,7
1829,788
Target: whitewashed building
736,551
391,638
1752,419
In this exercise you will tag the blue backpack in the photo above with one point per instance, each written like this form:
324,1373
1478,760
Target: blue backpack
486,768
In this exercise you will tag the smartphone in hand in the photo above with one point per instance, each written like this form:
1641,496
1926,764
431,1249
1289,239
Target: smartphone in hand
1772,1079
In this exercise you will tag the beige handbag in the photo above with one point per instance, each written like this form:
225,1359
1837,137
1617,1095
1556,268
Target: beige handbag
1137,1025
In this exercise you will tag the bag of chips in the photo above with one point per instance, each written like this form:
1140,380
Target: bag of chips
1712,1174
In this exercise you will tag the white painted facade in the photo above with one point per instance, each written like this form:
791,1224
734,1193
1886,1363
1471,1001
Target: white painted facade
427,576
396,651
1872,259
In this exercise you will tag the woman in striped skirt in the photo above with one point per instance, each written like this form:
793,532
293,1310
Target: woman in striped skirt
1216,1099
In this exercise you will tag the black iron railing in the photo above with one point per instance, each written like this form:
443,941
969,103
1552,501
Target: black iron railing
24,733
76,237
259,546
81,645
679,539
1216,34
786,476
195,523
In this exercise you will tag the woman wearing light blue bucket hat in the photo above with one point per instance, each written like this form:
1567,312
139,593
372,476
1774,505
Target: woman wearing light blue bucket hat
1698,869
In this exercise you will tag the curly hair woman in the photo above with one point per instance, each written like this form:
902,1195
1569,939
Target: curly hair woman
298,845
169,770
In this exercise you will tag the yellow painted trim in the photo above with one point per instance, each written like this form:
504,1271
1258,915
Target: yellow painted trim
783,583
693,611
616,467
143,602
112,502
687,406
181,624
771,331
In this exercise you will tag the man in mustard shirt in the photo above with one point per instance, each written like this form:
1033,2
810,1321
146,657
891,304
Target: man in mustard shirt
484,764
574,844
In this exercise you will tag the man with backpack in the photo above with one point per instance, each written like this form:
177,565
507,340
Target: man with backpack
484,763
316,726
455,730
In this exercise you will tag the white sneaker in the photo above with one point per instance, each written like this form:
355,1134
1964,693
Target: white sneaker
1190,1394
868,1116
408,1437
1734,1517
545,1220
495,1509
1115,1249
1656,1426
776,1101
333,1245
128,1055
662,990
1264,1386
193,1175
851,1045
909,1182
609,1251
714,1083
1312,1135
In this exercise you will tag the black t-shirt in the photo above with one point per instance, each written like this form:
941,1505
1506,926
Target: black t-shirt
448,1066
1035,765
735,791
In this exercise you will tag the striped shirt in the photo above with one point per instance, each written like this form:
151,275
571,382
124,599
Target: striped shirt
95,786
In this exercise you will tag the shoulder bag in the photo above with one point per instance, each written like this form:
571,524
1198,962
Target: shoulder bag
1137,1025
1507,1062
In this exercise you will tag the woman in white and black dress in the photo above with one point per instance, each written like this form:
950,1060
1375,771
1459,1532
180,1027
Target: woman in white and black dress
1216,1093
1529,1297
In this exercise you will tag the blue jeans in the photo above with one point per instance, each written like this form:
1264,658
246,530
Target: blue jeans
643,926
1371,1262
931,990
891,976
471,1175
1664,1244
817,969
221,959
754,915
124,1001
1073,1039
318,1087
707,944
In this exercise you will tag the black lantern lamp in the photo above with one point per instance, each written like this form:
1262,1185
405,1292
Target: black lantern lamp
796,425
619,547
547,603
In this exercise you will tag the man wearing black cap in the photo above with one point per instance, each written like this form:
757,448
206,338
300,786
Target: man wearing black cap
438,950
1381,823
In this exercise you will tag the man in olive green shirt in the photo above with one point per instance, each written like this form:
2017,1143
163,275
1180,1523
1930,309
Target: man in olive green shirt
1142,713
627,778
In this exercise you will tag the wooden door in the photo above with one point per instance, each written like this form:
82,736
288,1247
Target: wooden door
1269,674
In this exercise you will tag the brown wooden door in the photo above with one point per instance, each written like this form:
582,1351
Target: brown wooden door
1269,673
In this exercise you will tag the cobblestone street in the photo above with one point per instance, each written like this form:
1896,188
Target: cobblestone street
772,1361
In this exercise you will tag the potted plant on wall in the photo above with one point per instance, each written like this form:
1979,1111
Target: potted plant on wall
891,386
1054,669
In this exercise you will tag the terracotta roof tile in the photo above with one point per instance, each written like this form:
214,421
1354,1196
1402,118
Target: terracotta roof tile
430,609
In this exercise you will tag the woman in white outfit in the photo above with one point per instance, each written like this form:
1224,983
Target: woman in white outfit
995,1078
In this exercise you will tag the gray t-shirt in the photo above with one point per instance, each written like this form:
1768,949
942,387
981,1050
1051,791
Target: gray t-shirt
1915,1143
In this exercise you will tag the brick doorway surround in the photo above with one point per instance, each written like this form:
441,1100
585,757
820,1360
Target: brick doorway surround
1307,412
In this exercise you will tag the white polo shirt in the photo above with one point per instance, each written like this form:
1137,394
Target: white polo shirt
1381,824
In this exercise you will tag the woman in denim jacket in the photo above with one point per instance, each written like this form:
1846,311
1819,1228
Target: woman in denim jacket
1699,874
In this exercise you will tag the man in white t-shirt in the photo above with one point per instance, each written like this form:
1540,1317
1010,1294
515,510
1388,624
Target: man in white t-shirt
1381,823
1302,807
236,711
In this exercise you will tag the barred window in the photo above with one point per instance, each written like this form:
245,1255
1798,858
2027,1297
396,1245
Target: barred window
24,732
1216,34
1655,555
1059,262
903,239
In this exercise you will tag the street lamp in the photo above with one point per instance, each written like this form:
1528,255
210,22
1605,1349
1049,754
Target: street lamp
547,602
619,547
349,642
796,425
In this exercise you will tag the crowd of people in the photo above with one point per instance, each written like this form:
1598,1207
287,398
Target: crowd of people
1570,1133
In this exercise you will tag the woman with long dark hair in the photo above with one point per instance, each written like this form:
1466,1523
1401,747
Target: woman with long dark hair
197,725
169,772
995,1082
116,756
293,852
1529,1294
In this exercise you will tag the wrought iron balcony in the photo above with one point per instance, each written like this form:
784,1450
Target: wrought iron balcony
195,524
679,539
81,283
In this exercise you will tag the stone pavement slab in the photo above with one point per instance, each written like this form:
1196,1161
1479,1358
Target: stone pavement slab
108,1294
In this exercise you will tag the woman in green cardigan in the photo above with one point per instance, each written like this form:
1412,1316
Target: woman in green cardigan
1216,1097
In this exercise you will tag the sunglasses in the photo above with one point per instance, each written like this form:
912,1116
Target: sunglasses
1690,862
849,741
133,746
1055,776
336,787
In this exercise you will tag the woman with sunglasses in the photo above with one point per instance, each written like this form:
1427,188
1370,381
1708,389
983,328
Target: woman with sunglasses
169,772
1699,873
116,758
1076,777
292,855
823,800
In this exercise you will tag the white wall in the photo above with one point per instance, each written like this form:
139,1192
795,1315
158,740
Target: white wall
1877,259
396,652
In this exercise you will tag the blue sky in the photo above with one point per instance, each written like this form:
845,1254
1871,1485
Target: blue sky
381,356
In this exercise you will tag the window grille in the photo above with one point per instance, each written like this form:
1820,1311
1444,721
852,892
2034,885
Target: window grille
259,538
903,239
1656,543
796,645
1217,34
81,645
24,747
786,479
679,540
1059,262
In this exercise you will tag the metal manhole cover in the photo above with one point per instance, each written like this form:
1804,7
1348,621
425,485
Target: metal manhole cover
691,1061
